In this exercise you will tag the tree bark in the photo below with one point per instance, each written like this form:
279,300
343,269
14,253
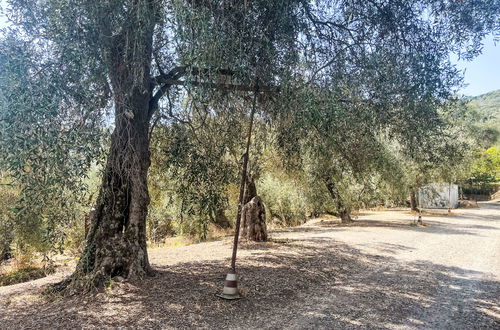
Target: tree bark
5,254
344,216
250,189
116,240
254,220
343,212
413,200
220,219
253,214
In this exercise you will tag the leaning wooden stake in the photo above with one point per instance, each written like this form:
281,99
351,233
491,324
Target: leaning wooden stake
230,290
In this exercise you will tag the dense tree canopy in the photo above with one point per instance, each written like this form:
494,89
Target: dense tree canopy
335,79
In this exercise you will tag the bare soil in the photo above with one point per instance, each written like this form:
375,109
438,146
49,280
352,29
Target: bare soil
379,272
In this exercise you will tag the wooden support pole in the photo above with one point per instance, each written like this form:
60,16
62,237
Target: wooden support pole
243,180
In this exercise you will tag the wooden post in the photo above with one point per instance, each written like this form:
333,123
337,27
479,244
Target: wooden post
243,180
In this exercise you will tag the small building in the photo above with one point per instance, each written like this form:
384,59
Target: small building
438,196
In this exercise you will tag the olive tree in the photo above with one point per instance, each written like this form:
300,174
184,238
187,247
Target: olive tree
127,56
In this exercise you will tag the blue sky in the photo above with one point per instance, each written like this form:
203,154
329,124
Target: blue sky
481,75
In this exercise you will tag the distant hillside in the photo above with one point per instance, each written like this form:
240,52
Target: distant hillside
486,113
487,106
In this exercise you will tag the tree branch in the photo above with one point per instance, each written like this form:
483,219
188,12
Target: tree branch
163,78
172,78
221,86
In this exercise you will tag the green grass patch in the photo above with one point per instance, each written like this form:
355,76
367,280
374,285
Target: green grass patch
24,275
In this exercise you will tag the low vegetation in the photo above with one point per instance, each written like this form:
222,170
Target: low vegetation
25,274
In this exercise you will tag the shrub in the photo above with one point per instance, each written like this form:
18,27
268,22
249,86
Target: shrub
24,275
8,197
284,199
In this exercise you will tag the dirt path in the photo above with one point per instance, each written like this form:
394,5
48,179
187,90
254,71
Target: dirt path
379,272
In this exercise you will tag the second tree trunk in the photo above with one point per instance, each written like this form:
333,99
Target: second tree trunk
253,215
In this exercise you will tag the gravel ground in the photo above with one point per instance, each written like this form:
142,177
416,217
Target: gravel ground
379,272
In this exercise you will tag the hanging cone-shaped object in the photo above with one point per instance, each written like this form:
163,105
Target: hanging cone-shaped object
230,291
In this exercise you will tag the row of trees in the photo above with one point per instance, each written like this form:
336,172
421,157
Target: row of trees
354,99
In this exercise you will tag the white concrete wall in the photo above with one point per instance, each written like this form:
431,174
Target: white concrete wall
438,196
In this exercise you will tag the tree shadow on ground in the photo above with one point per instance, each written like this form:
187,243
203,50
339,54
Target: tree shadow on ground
303,284
431,226
484,217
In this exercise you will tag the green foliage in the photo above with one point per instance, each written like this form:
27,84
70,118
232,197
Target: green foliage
487,105
8,197
485,116
258,40
362,85
486,166
46,147
197,166
284,198
161,215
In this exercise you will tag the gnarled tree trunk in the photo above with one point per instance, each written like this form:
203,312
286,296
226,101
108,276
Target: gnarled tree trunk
250,189
220,219
413,200
344,216
116,239
342,211
253,218
253,214
116,242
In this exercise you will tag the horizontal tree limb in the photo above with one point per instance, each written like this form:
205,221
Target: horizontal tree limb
222,86
167,80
